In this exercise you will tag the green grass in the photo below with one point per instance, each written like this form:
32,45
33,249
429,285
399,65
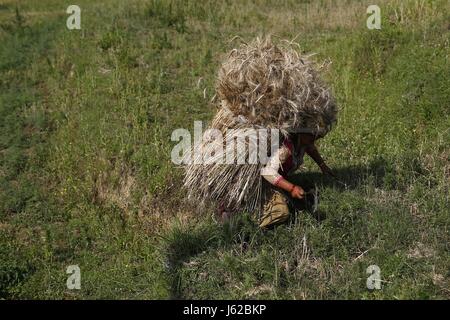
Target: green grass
86,178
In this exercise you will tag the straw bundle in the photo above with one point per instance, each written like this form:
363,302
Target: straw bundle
276,87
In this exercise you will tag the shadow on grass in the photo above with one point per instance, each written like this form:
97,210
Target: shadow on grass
184,242
348,178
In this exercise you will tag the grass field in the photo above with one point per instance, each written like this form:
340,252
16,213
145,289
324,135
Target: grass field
86,178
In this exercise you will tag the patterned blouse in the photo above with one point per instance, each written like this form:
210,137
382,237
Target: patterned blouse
283,163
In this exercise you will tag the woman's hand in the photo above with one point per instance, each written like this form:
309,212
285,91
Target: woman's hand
297,192
326,170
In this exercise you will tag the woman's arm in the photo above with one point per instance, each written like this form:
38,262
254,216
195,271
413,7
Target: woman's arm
313,152
270,173
294,190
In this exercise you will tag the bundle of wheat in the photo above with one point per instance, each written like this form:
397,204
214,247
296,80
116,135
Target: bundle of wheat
259,85
275,86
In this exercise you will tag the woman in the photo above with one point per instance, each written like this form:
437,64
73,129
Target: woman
280,166
263,85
